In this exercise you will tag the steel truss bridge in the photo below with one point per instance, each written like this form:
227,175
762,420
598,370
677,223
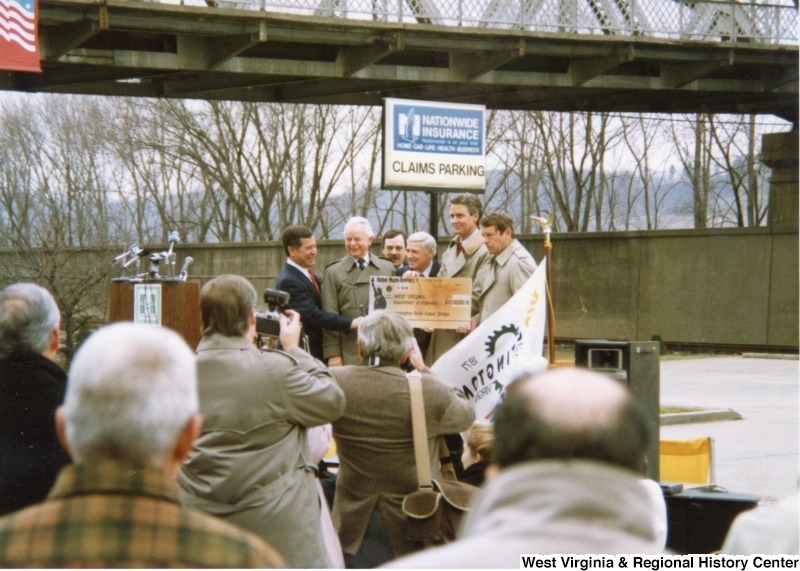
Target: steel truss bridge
671,56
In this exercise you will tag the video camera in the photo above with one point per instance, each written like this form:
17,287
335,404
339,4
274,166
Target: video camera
268,328
267,321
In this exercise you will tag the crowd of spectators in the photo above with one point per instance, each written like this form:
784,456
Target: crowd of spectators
149,455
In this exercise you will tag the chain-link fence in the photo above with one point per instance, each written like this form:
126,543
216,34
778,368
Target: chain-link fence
715,20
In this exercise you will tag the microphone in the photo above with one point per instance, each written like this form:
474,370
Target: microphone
136,252
124,254
173,239
184,270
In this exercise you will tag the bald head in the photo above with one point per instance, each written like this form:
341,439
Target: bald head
571,414
575,400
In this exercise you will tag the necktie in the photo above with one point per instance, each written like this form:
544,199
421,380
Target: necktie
459,249
313,280
362,263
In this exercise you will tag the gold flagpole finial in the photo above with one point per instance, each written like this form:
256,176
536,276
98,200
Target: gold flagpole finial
547,226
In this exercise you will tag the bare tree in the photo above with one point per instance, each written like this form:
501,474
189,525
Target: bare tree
353,163
57,225
573,146
262,167
228,171
695,156
515,183
649,180
157,190
735,141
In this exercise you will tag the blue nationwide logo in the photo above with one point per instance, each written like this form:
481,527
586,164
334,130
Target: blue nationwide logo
409,126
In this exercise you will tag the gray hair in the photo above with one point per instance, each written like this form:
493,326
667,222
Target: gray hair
360,221
28,316
385,334
428,241
132,389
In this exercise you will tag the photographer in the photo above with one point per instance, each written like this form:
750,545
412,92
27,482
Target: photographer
251,464
375,443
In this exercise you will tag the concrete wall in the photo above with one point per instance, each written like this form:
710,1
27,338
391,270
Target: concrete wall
722,287
779,151
730,286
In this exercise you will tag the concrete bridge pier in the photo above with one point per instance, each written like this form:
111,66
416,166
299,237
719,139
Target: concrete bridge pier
779,151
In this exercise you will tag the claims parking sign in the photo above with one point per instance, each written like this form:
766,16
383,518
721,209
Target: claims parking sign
433,146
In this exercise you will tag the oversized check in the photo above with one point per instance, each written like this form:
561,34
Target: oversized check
440,303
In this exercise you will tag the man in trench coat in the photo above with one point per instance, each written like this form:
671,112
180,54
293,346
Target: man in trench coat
345,289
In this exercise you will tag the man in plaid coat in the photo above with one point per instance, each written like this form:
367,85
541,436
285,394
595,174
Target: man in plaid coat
129,418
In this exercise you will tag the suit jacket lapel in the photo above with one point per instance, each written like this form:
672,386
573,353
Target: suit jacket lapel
312,291
488,281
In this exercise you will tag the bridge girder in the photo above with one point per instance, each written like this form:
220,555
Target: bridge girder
132,48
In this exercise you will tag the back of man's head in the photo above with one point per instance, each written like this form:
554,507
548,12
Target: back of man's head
226,302
571,414
28,316
132,390
385,334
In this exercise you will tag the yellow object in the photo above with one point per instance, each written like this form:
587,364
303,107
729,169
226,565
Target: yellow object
690,460
331,453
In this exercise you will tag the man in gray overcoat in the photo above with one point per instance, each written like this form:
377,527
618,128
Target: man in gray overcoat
346,286
511,264
251,464
465,257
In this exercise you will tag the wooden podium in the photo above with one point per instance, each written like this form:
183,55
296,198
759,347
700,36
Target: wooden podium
173,304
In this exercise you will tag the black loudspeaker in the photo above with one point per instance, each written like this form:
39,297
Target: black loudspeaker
698,521
638,365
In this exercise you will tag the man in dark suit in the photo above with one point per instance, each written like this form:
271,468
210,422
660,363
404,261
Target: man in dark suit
298,280
422,260
422,264
32,387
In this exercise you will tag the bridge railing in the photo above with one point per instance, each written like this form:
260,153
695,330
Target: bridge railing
711,20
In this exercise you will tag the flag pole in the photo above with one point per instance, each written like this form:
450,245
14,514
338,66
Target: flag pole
547,228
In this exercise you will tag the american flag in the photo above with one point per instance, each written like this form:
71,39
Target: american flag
19,42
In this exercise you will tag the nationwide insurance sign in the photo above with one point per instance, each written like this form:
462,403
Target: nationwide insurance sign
433,146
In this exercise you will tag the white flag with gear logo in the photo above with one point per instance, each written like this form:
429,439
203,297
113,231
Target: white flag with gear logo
509,342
